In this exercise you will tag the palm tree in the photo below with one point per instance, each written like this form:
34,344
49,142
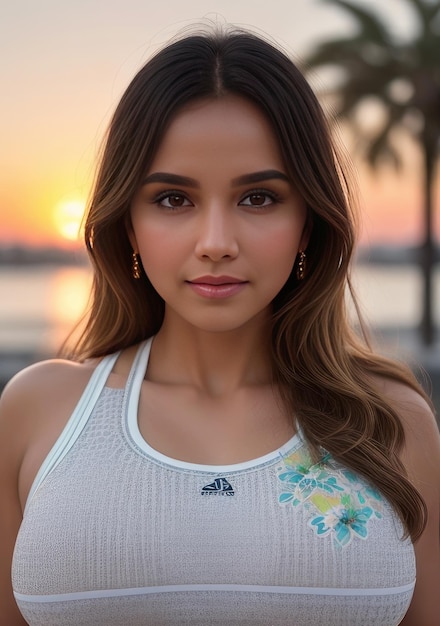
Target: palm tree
404,77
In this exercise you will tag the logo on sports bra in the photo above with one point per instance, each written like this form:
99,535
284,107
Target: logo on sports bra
220,487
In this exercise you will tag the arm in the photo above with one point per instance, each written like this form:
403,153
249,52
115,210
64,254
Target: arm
421,458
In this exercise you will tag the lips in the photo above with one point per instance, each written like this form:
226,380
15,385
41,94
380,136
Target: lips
217,280
217,287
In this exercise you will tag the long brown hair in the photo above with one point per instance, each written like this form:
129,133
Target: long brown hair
324,370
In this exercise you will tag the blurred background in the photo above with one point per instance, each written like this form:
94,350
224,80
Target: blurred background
63,68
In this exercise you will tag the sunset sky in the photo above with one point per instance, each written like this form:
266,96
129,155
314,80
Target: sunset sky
64,65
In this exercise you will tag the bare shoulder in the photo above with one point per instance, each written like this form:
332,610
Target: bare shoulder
41,386
416,415
47,374
50,390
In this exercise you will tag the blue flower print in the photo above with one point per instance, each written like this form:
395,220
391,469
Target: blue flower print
364,492
345,523
341,503
304,479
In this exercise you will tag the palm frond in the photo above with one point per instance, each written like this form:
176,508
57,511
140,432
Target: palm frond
372,64
426,13
369,26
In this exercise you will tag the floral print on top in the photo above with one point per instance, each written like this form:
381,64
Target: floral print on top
341,503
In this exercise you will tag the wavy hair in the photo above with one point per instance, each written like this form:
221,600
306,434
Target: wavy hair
324,370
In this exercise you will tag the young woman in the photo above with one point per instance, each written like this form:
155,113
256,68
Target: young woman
220,448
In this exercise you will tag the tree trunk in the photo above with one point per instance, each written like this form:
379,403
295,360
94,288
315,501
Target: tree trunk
427,260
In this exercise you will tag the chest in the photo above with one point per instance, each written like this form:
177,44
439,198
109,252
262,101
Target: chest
116,519
112,517
199,429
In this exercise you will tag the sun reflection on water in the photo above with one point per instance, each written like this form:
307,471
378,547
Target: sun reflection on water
39,306
69,298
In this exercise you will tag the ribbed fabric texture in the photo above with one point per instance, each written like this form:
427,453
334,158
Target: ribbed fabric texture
111,516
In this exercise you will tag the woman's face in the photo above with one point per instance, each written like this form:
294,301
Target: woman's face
217,222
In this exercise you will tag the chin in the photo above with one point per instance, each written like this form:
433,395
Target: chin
209,324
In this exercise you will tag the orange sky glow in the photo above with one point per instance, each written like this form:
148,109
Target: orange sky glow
66,66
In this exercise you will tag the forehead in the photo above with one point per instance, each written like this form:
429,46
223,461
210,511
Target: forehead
226,128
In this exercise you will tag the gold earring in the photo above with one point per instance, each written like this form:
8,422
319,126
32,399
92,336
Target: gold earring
302,262
135,268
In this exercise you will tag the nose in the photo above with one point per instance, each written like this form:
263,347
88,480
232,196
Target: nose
216,236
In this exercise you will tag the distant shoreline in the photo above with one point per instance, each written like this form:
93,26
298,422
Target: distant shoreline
392,255
22,256
18,255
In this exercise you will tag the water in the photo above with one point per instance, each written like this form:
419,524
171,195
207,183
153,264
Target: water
38,306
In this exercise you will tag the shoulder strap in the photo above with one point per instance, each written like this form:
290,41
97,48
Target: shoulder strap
76,422
135,379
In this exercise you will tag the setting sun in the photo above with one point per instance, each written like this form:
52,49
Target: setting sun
68,216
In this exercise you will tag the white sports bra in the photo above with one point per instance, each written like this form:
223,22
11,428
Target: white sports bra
116,533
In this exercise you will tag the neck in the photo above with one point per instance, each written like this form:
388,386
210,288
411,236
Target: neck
217,363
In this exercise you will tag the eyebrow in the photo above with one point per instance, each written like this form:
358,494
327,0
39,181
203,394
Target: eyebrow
259,177
170,179
185,181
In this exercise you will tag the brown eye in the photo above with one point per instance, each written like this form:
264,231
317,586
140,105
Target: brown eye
257,199
176,200
173,201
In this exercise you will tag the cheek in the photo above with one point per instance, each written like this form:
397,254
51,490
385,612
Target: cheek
152,227
152,240
155,254
282,244
161,253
